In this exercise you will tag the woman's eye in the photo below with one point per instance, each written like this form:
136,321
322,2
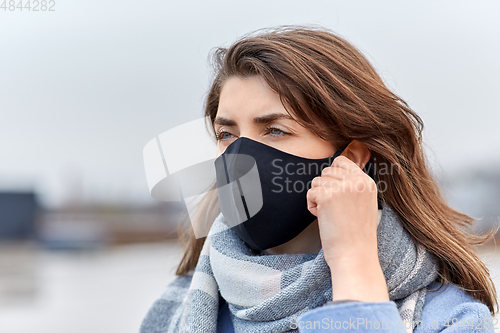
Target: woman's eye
222,135
274,131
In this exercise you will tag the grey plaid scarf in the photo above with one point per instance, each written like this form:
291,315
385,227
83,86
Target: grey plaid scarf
264,292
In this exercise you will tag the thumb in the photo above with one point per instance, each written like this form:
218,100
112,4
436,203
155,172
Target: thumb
312,197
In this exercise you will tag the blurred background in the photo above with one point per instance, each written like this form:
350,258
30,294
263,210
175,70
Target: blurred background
84,86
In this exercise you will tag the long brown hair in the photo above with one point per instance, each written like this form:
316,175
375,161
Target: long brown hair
330,88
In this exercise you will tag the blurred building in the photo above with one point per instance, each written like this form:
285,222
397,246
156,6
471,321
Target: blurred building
85,226
18,212
89,226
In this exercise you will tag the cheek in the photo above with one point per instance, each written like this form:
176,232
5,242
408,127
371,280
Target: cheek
220,149
318,148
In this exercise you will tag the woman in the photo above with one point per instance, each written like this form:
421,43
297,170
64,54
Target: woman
297,248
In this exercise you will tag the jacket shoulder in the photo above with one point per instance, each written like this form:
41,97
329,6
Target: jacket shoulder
448,310
452,309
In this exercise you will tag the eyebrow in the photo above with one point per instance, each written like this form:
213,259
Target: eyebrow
258,120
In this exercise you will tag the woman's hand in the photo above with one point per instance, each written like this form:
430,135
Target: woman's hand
344,199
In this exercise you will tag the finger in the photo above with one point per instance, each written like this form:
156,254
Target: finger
312,196
334,171
326,181
312,206
345,163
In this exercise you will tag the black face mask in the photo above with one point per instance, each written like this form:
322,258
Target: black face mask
262,191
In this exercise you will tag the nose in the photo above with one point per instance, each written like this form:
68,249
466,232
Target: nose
251,137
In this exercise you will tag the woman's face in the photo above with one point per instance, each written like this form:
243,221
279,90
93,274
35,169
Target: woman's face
248,107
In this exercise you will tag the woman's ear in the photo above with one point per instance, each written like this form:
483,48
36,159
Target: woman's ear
357,152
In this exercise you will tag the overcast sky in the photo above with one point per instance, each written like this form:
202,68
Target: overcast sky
85,87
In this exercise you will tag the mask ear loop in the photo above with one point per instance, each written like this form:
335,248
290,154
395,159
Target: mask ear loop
340,150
